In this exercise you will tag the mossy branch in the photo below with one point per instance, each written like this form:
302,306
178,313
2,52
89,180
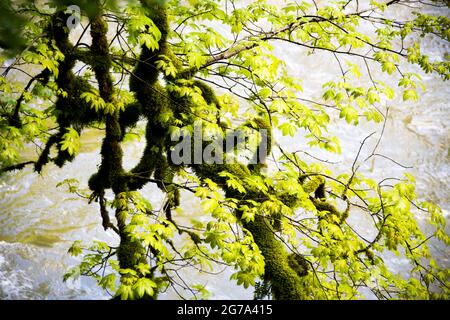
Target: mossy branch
18,166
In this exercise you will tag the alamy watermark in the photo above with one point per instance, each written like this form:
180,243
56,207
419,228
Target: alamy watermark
237,146
75,16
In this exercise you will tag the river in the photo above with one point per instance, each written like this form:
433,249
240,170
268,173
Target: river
39,222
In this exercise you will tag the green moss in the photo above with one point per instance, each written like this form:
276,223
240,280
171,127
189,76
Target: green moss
155,105
100,50
59,32
111,169
312,184
95,183
285,280
187,73
174,59
259,159
344,215
325,206
262,290
194,237
276,221
145,73
290,200
129,117
207,92
238,170
130,253
299,264
62,157
282,270
152,156
45,154
371,256
212,171
264,123
164,174
279,268
70,109
157,11
320,191
153,98
316,184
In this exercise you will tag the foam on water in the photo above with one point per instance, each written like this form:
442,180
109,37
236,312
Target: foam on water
38,223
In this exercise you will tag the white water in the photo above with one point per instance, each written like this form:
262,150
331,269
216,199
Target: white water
38,223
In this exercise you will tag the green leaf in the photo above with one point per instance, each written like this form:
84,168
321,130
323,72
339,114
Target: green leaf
108,282
215,239
350,114
388,67
234,184
410,95
73,273
209,205
125,292
244,278
288,128
143,287
76,248
265,92
70,142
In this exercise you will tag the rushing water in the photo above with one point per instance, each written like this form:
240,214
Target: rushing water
38,222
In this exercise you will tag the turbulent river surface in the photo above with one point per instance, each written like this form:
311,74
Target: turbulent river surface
39,222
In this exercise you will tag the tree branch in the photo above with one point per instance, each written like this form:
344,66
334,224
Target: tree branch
18,166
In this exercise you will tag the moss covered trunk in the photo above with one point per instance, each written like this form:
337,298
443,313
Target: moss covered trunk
286,282
111,172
